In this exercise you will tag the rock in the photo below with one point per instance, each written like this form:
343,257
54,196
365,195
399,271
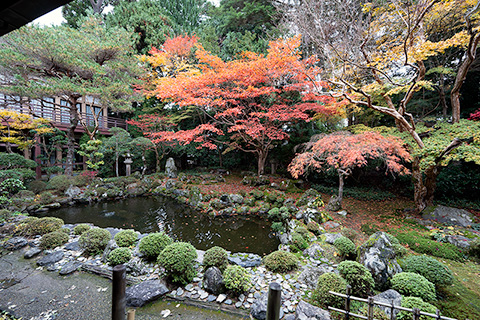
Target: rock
310,275
331,237
246,260
73,192
113,231
221,298
236,198
213,281
442,214
331,224
136,267
378,255
73,246
111,245
200,255
258,309
284,238
387,297
15,243
314,251
139,294
54,205
32,252
70,267
170,168
334,204
459,241
342,213
51,258
307,311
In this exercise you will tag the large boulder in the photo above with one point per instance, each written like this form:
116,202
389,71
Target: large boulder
310,275
144,292
314,251
378,255
459,241
51,258
213,281
306,311
73,192
447,215
170,168
331,237
390,296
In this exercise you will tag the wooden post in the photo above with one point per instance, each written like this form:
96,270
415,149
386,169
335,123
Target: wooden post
416,314
118,292
370,308
392,313
274,301
439,317
347,302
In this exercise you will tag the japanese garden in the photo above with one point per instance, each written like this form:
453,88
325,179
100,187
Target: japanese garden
212,149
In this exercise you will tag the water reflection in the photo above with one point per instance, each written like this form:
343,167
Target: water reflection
238,234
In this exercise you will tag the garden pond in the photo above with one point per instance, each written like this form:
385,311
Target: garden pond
152,214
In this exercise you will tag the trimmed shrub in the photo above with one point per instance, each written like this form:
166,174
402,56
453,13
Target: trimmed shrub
313,227
474,249
378,313
433,270
237,279
281,261
414,285
11,186
151,245
53,239
25,194
215,257
94,241
45,197
119,256
178,259
303,231
329,282
81,228
33,226
421,244
126,238
278,227
415,302
65,230
61,183
345,247
298,243
357,276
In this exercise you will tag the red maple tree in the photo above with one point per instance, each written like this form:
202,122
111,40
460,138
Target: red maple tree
344,151
252,100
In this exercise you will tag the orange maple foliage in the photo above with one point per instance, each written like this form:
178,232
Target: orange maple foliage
253,99
344,151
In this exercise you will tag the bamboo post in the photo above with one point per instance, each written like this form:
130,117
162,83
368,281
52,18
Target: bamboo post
370,308
416,313
131,314
347,302
274,301
118,292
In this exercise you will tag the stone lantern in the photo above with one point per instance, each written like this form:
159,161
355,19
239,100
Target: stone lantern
128,164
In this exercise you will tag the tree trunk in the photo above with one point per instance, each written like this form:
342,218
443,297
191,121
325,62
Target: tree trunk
341,183
424,185
262,159
116,165
70,158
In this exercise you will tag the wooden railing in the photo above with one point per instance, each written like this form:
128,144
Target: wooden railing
62,116
416,313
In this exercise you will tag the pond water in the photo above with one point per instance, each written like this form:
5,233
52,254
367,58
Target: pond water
236,234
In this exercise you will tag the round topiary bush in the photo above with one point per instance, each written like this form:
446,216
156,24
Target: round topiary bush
119,256
151,245
329,282
298,242
433,270
413,284
178,259
303,232
81,228
237,279
415,302
126,238
40,226
281,261
357,276
53,239
94,241
215,257
345,247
